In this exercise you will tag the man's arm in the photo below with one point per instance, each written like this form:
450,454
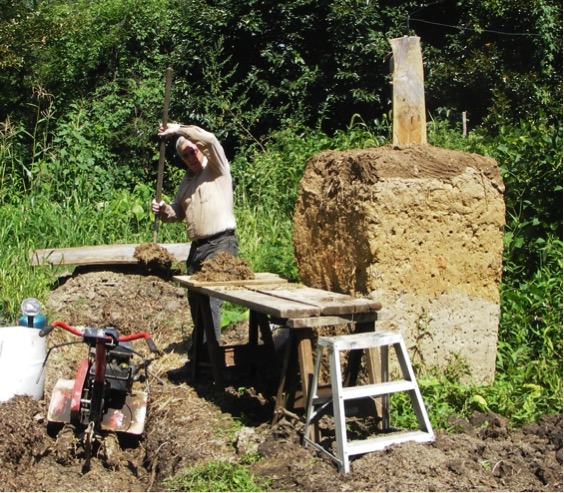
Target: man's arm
206,142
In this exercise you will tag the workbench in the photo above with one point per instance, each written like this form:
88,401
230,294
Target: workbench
273,300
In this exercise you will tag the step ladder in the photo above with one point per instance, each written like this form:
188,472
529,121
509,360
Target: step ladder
318,405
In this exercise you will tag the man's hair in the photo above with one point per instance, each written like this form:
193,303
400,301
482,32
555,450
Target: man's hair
179,141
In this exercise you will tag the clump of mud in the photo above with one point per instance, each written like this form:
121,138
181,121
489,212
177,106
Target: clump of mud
224,267
22,440
155,259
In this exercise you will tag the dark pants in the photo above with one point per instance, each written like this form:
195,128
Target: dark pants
199,253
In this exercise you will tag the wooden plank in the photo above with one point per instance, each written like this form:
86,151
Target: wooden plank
263,303
409,120
301,323
100,254
328,302
260,278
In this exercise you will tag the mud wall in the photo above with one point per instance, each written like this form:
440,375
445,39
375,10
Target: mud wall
420,229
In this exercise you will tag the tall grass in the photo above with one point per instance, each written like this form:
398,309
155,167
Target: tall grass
266,240
36,224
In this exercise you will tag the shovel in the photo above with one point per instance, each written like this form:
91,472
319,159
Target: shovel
162,150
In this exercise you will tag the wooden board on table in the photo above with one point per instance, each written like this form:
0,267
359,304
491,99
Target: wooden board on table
260,279
261,302
273,295
329,303
100,254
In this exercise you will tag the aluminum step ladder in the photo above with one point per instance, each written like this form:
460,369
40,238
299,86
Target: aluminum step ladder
318,405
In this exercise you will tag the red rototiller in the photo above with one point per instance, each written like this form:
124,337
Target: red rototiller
101,396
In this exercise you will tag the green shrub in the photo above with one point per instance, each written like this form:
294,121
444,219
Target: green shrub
530,159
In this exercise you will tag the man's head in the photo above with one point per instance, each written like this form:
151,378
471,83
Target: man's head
190,154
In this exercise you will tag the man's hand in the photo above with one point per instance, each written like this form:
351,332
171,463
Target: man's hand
168,130
158,207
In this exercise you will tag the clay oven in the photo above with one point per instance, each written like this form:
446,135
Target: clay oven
420,228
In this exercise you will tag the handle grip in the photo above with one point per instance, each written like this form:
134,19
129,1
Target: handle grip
152,346
46,330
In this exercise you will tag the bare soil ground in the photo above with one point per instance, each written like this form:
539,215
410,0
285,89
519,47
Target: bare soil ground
192,422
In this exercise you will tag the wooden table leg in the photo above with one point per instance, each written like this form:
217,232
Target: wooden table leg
280,395
377,368
216,358
373,365
299,347
260,321
353,366
267,354
305,360
253,328
265,331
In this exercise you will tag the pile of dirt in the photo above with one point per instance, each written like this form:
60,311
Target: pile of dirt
224,267
189,423
156,260
126,301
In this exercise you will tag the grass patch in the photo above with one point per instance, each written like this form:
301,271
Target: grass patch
217,475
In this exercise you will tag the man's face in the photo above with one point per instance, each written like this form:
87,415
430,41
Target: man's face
191,156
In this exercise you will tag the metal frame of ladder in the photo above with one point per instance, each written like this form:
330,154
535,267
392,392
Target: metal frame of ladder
318,405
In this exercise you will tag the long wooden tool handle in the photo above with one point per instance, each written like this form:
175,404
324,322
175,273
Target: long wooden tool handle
162,150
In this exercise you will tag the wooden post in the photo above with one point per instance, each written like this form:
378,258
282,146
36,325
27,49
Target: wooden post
464,123
409,122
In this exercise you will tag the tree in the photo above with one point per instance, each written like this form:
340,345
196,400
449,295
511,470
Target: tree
500,60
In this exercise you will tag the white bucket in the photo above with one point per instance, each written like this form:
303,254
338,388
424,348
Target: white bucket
22,353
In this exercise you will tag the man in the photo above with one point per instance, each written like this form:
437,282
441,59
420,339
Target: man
204,200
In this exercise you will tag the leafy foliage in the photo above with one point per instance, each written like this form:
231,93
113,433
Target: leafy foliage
499,60
243,69
531,330
530,158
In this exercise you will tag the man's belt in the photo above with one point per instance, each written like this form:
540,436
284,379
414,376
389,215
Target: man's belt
202,241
